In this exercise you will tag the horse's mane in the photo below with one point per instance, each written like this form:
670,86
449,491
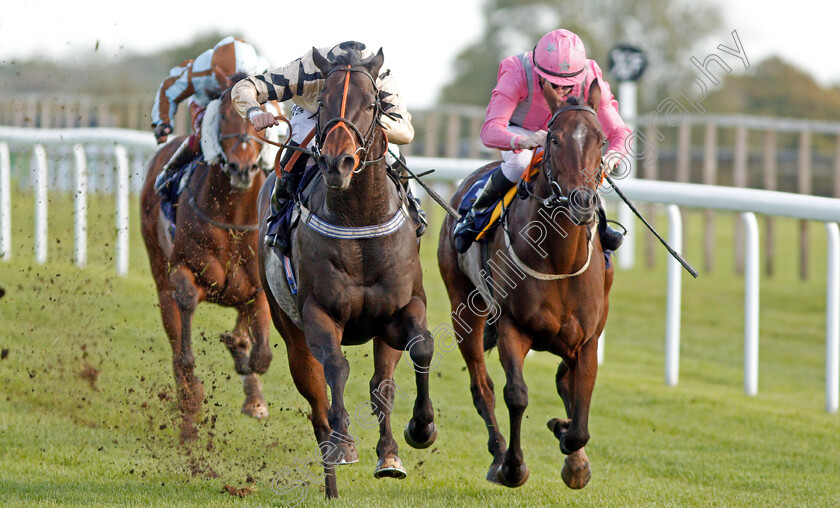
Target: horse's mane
573,101
238,76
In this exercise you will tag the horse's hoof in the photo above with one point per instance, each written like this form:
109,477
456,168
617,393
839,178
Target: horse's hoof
390,467
431,431
515,480
576,471
256,410
493,473
341,454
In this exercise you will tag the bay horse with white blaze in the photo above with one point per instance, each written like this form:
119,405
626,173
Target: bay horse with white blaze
212,257
548,284
358,273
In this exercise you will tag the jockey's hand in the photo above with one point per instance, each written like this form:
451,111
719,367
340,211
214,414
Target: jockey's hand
162,130
611,160
532,141
262,119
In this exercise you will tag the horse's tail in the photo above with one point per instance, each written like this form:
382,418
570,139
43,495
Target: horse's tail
490,336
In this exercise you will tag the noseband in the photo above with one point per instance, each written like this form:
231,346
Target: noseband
342,122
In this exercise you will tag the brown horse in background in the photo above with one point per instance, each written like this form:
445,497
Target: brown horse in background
352,290
549,290
213,258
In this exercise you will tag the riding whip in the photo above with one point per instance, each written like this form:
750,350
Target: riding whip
437,197
674,253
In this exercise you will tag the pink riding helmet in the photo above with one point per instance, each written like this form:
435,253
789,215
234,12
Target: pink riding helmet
560,57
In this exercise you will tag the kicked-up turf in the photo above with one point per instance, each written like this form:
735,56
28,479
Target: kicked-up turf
87,413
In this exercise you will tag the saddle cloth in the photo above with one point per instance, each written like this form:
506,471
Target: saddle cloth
487,220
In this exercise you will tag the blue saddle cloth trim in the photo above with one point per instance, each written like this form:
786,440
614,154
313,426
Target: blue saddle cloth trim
483,218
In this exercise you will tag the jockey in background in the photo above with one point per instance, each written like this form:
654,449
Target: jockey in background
301,82
201,80
517,118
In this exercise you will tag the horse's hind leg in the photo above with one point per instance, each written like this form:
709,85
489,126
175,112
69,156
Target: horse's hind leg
513,346
408,332
323,337
382,390
191,393
575,381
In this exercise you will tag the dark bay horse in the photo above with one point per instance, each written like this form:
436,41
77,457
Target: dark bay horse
549,286
358,274
213,257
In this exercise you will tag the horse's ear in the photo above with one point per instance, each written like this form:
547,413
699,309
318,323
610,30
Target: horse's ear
594,95
551,97
375,63
320,61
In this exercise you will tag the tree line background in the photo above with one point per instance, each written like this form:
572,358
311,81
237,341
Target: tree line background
667,30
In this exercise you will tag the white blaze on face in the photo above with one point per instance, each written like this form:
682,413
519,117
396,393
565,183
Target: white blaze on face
580,135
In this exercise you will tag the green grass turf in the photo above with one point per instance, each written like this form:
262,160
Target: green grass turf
64,442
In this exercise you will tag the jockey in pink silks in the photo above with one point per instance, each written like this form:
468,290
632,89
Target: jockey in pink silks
517,118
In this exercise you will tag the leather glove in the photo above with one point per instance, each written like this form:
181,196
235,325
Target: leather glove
162,130
262,119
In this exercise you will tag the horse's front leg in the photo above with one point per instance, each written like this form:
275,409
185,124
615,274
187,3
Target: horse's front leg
191,392
323,337
247,343
513,346
409,333
382,391
575,383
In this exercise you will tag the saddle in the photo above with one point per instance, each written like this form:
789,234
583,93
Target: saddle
486,221
171,191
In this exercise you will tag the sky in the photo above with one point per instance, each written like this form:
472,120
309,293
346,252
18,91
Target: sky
420,38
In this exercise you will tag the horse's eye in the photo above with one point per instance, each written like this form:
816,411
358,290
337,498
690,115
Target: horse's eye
554,140
371,106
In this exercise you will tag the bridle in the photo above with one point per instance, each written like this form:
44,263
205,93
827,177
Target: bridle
342,122
557,196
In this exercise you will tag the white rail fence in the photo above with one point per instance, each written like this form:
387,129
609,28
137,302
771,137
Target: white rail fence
116,143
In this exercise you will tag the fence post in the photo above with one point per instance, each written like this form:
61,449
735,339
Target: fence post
751,304
473,136
709,178
122,210
770,183
836,193
601,347
453,135
80,208
740,178
832,325
804,187
430,145
672,318
5,204
39,177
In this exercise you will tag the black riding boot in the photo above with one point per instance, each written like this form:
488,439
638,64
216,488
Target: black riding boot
182,155
610,238
285,187
464,233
